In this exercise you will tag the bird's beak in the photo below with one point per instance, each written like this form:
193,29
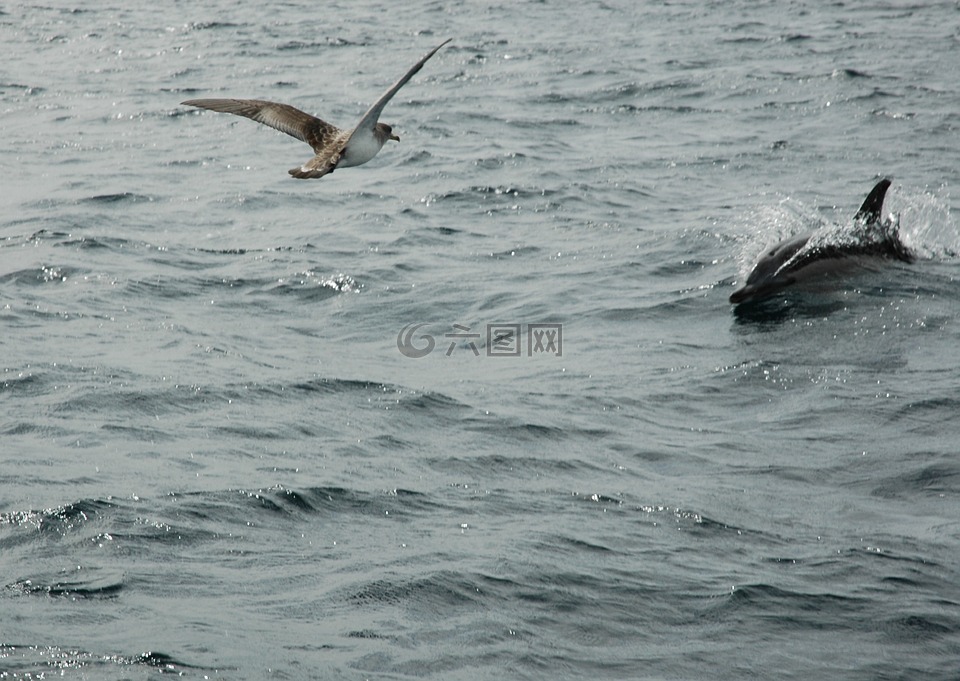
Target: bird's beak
394,137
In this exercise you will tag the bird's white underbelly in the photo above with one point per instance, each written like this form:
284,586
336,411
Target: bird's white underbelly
359,150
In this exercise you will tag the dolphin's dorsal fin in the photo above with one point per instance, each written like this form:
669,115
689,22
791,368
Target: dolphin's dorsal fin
873,205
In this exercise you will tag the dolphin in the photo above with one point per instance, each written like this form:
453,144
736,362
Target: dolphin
792,260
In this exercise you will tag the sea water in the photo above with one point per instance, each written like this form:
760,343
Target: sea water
479,408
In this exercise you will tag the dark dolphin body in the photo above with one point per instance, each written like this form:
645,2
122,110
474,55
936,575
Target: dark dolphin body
787,262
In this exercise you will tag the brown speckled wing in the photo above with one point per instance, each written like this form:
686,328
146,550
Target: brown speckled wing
283,117
326,160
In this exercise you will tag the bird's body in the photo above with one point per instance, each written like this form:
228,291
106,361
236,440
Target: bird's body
333,147
362,148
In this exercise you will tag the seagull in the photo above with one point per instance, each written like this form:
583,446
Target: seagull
333,146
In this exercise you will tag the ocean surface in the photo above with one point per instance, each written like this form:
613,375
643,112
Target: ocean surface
479,408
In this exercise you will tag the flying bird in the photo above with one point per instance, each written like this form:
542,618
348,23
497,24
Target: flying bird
334,147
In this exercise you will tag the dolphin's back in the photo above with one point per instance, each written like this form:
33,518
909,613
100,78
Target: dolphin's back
782,265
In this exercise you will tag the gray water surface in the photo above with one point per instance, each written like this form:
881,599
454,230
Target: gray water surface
216,462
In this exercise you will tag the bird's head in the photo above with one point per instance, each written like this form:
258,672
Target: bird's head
385,132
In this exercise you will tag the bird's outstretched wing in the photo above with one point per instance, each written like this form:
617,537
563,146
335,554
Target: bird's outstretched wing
283,117
369,120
